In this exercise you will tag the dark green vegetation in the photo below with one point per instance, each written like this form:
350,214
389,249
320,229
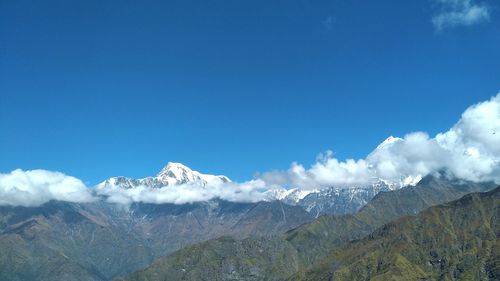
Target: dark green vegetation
312,250
99,241
454,241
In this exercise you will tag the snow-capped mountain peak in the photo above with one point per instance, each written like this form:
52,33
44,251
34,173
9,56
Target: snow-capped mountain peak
171,174
174,169
177,173
336,199
291,196
389,141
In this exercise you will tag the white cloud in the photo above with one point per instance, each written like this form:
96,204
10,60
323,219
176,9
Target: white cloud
251,191
474,142
469,150
459,12
33,188
415,154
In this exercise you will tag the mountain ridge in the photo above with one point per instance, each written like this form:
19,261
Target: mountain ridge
99,241
305,245
453,241
327,200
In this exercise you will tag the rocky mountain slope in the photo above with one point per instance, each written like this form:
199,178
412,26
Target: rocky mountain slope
455,241
99,241
305,246
329,200
341,201
338,200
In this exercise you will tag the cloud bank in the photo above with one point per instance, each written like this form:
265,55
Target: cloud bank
251,191
470,150
33,188
459,13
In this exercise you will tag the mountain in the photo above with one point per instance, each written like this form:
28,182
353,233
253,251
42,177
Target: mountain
388,142
333,200
316,239
264,240
168,227
99,241
340,201
455,241
171,174
278,258
330,200
65,241
289,196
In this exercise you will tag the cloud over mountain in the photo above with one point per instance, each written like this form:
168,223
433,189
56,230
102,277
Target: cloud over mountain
33,188
469,150
459,12
250,191
178,184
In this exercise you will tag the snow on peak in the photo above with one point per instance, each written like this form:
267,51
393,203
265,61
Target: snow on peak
171,174
174,170
177,173
313,199
293,195
389,141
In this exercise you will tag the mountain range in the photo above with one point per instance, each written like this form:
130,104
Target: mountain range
292,254
453,241
289,234
329,200
99,241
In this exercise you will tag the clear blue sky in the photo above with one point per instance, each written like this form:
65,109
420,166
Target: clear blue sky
103,88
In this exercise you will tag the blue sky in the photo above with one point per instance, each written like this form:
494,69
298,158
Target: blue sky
100,88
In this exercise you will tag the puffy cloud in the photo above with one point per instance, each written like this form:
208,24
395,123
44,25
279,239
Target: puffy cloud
33,188
469,150
415,154
251,191
474,142
459,12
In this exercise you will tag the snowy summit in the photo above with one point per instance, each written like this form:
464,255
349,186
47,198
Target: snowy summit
171,174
